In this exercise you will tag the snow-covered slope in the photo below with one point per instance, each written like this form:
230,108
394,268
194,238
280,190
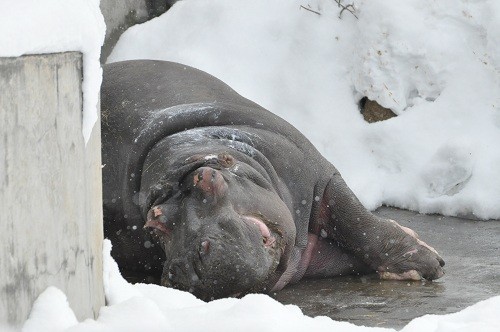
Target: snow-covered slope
435,63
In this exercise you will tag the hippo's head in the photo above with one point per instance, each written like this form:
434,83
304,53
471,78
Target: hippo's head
224,229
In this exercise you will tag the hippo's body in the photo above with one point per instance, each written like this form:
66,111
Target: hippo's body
234,199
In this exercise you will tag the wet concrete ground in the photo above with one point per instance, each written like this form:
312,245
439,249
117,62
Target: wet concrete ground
470,248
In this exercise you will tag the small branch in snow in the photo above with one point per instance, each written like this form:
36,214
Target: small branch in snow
309,9
350,8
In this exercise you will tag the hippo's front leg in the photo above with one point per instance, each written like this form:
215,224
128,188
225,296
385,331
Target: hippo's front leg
395,252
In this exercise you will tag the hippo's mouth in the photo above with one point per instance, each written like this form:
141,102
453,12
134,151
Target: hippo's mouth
268,236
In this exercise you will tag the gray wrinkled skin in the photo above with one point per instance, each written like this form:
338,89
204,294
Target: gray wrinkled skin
220,197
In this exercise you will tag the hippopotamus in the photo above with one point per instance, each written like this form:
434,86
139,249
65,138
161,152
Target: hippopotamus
210,193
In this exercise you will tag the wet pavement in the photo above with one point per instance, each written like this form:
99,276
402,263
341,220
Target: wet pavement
470,248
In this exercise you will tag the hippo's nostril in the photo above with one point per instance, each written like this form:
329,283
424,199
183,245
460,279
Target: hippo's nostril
441,262
204,173
210,182
205,247
197,178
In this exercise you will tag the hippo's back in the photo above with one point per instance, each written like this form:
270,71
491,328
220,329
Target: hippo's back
151,84
143,101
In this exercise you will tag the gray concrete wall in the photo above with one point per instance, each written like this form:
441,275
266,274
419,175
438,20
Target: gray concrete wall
50,188
119,15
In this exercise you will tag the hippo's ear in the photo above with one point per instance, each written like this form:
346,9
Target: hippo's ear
156,195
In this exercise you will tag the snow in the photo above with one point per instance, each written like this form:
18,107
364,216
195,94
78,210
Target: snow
151,308
435,63
50,26
482,316
50,312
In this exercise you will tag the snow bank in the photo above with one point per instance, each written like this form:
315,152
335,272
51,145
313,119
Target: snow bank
153,308
50,313
435,63
49,26
482,316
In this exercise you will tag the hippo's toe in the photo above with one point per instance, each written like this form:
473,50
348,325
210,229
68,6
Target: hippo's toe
411,259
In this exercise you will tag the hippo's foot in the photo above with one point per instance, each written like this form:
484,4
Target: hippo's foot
394,251
405,257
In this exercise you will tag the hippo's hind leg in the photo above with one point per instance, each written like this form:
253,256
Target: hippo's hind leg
395,252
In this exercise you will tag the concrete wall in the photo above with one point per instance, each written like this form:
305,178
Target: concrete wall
119,15
50,188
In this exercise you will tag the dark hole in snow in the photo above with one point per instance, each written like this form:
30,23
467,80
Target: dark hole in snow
373,111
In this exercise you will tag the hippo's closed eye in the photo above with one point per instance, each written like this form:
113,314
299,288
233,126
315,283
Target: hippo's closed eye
244,171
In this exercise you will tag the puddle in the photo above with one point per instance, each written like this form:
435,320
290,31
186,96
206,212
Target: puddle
471,250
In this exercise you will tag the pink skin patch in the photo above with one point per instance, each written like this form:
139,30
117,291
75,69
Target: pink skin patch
205,246
305,259
268,239
157,211
411,232
410,253
298,264
153,222
210,181
196,179
157,225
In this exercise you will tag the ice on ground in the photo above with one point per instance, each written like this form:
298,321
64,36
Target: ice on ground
435,63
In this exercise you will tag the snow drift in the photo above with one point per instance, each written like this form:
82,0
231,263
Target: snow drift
434,63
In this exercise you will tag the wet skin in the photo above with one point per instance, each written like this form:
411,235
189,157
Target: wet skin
224,210
221,197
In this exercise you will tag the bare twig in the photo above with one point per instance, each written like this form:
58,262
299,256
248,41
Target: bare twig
309,9
350,8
